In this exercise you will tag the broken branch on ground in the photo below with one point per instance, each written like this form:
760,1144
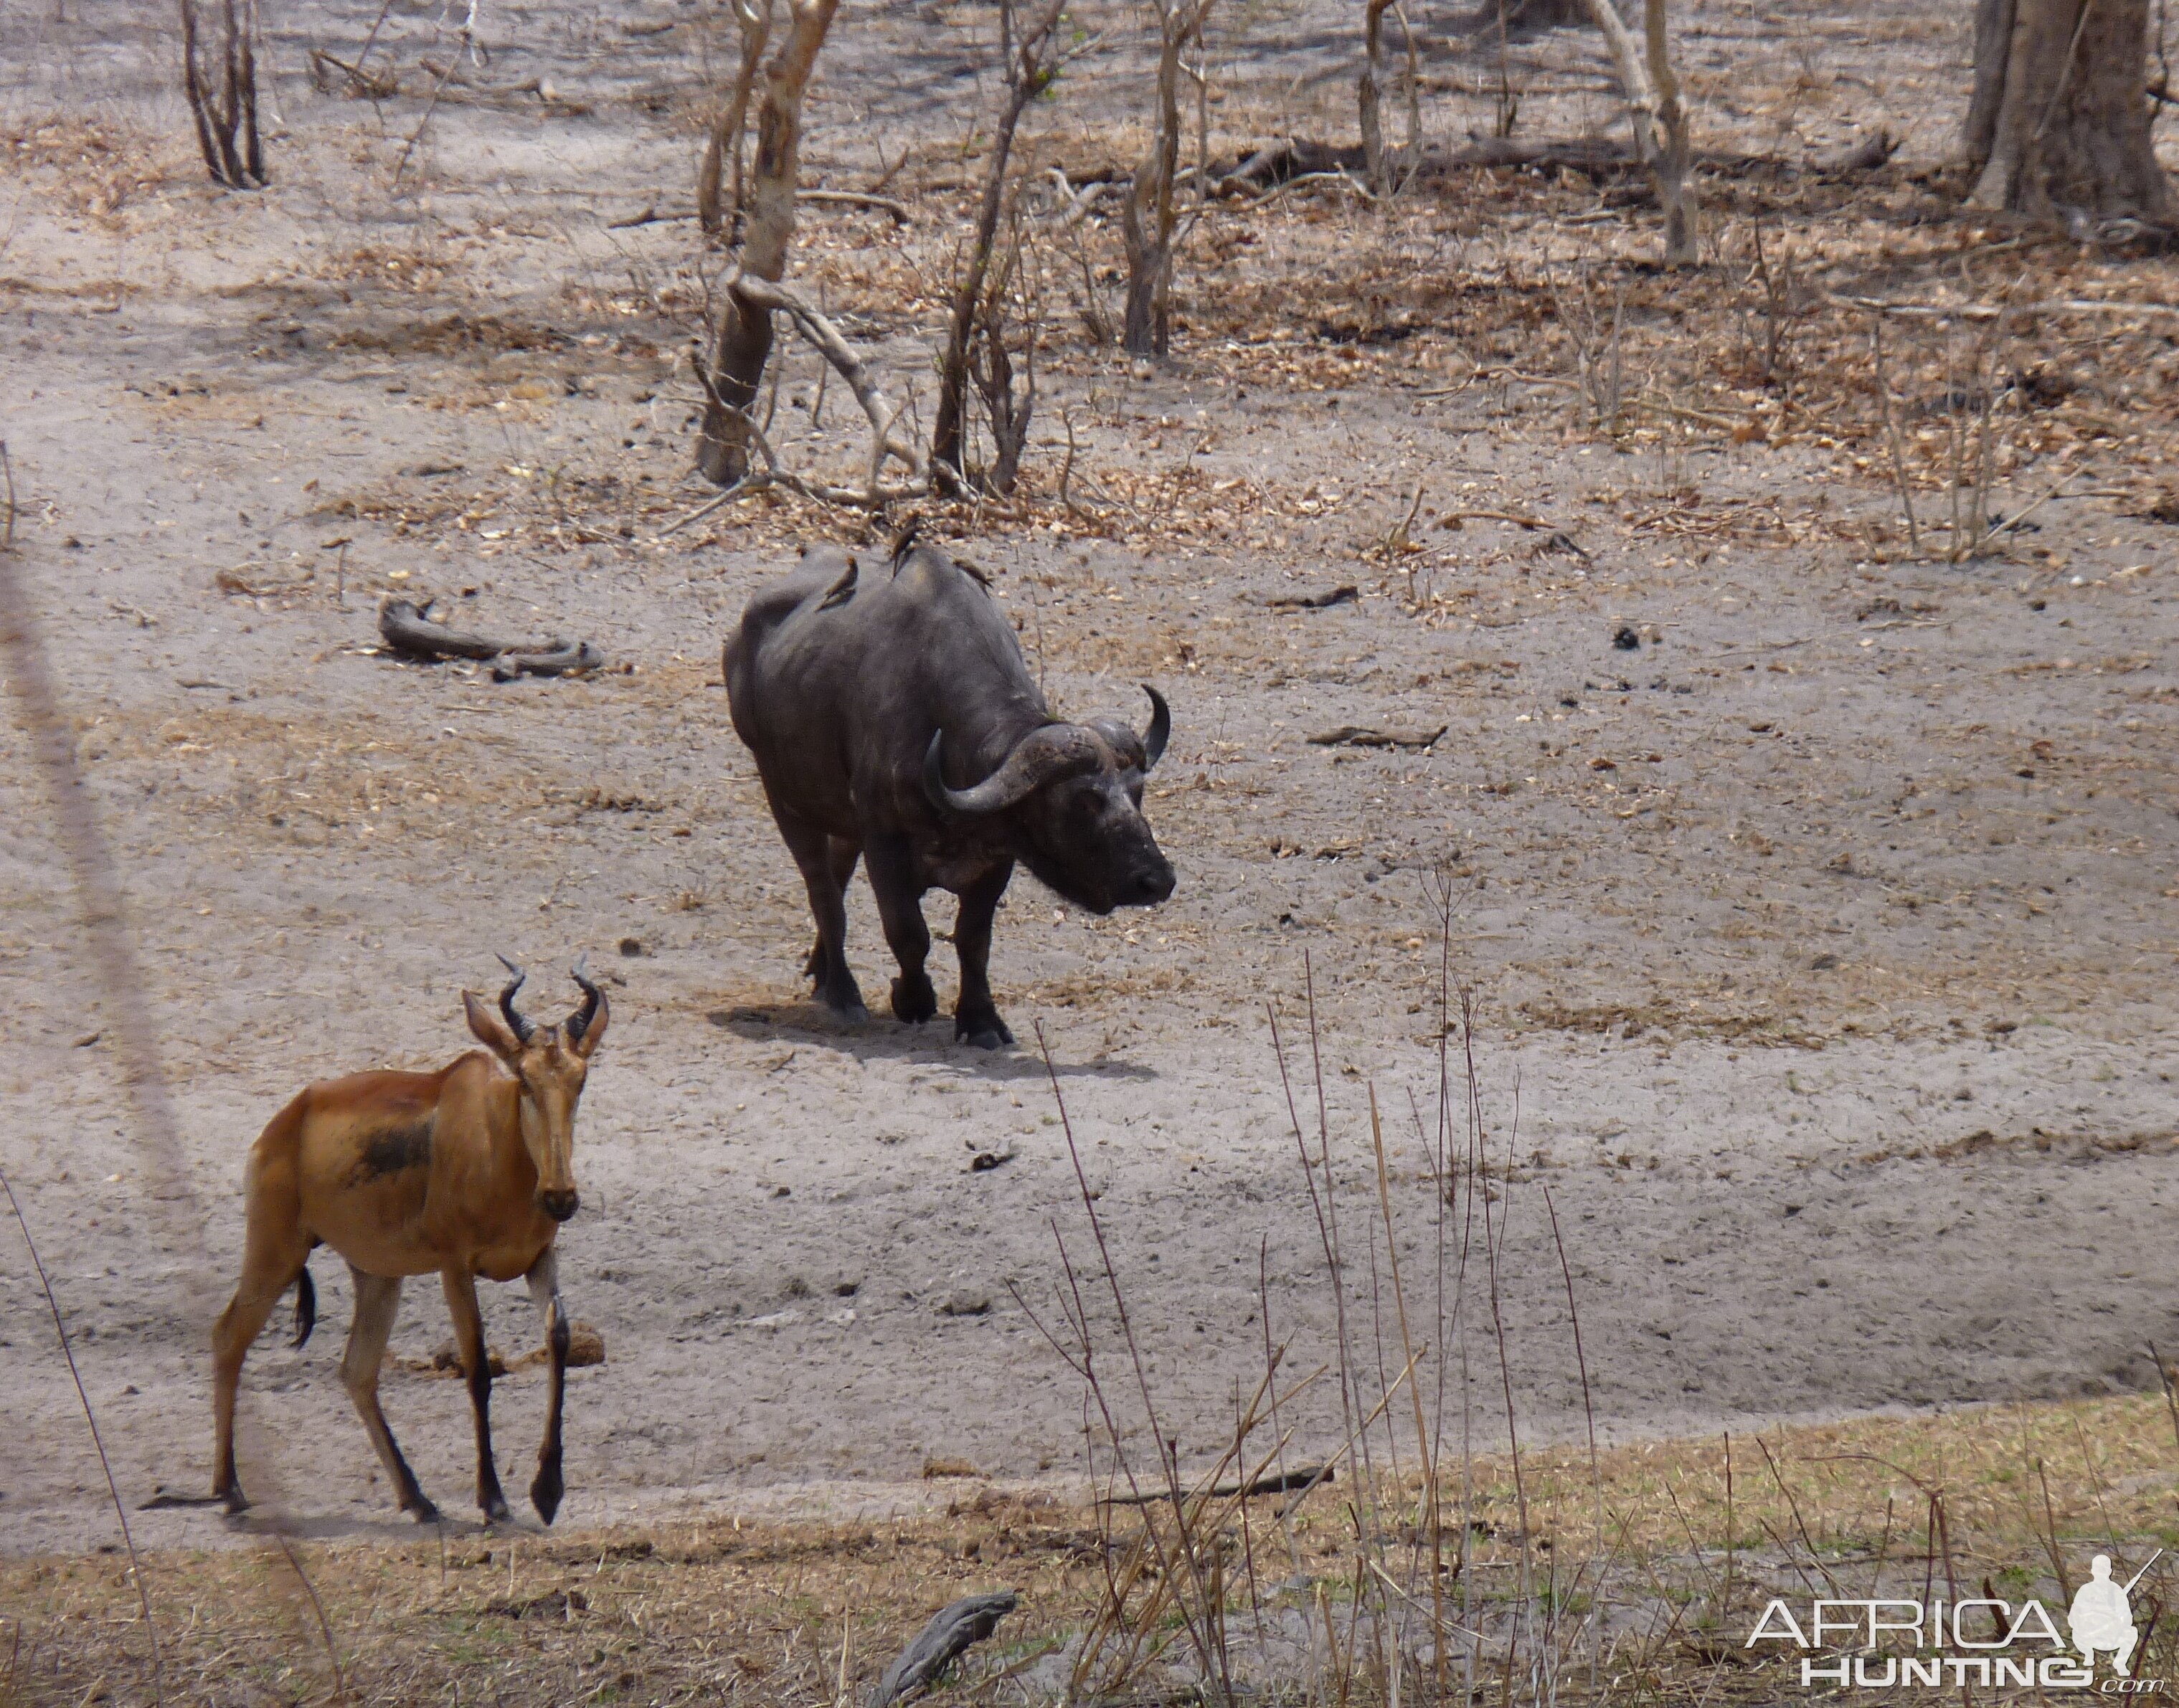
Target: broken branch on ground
408,630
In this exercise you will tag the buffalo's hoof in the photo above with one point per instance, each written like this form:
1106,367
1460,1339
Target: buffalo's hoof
544,1493
914,1000
984,1030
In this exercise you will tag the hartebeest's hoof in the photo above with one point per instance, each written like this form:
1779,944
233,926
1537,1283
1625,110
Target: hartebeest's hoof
422,1511
544,1493
844,998
233,1496
495,1509
914,1000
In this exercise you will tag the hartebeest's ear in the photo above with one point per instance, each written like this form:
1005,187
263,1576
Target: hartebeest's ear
489,1029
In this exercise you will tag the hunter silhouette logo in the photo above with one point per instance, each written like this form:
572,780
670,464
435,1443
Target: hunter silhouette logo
2102,1615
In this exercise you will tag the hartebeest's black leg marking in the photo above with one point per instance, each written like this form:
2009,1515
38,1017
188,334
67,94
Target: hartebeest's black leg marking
378,1301
976,1017
545,1491
827,862
892,866
468,1341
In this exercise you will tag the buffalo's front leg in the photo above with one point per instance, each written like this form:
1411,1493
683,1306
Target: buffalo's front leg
827,862
892,867
976,1017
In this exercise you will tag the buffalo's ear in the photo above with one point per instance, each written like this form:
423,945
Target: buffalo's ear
489,1029
1126,744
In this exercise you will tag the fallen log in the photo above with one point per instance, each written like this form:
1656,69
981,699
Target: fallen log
1347,594
576,660
407,628
1265,168
944,1639
1277,1483
1354,735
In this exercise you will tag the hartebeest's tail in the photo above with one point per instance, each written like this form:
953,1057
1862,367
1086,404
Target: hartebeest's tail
307,1305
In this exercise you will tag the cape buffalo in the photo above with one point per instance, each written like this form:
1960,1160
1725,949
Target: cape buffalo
893,720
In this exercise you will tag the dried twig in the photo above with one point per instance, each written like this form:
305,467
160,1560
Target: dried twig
1898,445
855,198
97,1440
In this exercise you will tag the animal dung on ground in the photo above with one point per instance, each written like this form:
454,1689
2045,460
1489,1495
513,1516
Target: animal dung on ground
1314,601
1354,735
554,1604
1626,639
408,630
586,1347
944,1640
447,1361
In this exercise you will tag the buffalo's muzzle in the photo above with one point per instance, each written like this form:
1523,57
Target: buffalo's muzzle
560,1206
1148,888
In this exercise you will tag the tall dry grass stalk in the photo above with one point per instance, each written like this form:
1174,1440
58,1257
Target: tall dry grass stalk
1206,1587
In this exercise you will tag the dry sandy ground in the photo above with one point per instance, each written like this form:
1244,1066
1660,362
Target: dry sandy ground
1823,942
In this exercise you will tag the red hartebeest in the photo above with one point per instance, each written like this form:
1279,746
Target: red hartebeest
467,1171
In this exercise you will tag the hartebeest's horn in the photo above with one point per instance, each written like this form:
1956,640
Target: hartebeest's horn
578,1023
1042,756
1160,731
515,1023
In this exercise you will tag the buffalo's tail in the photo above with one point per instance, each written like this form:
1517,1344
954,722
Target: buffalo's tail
306,1307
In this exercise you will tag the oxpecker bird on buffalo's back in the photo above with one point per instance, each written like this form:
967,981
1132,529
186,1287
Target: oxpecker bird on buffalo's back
894,721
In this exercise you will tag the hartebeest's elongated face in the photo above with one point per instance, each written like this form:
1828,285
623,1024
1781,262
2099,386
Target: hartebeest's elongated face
550,1063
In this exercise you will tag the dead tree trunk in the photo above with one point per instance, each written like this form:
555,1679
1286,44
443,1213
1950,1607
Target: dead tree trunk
225,109
2059,127
1147,221
1028,72
744,339
724,146
1661,120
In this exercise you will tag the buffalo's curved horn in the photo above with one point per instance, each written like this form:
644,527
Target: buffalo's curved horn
1160,731
515,1023
1042,756
593,998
